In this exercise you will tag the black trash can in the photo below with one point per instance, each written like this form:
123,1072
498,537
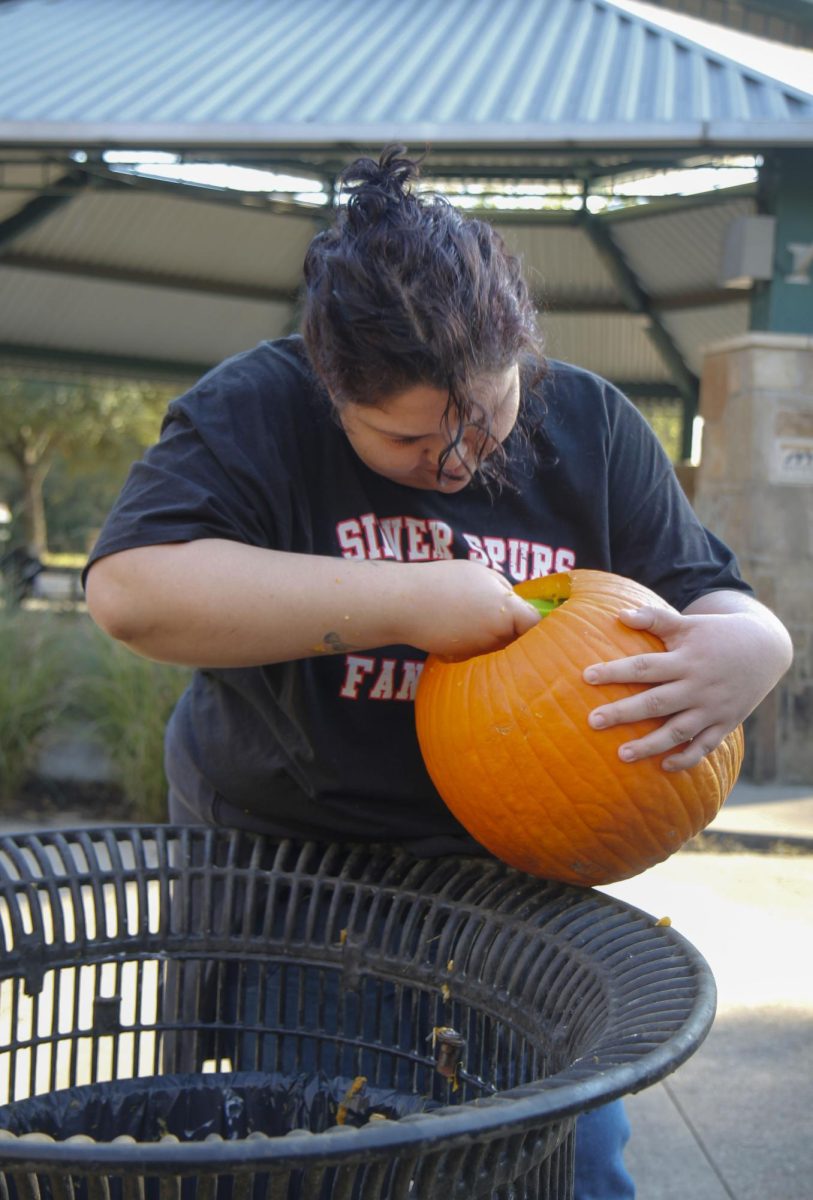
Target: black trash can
201,1013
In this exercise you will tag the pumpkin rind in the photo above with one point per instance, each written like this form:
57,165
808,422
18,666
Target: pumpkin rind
506,741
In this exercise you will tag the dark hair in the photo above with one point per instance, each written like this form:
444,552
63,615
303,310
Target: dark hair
405,290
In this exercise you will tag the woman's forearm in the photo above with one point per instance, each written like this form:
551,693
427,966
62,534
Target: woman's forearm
214,603
773,639
221,603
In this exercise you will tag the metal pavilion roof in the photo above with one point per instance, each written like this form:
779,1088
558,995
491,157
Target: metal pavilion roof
127,275
194,72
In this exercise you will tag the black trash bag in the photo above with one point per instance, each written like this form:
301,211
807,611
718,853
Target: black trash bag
191,1107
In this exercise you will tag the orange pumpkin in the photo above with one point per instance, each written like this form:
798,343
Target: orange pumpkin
506,742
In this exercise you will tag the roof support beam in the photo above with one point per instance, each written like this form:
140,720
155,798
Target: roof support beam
49,358
638,301
132,366
557,305
126,366
41,207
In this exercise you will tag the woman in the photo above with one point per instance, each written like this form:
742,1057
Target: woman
322,511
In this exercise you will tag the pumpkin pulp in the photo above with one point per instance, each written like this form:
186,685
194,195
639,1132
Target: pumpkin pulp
543,607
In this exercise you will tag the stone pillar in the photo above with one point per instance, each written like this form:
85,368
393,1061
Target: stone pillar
754,488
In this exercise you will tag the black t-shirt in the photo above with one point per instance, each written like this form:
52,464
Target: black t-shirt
325,746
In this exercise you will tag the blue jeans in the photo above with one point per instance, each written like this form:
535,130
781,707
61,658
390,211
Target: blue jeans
601,1136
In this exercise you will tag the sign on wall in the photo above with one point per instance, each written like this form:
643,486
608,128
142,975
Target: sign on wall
792,460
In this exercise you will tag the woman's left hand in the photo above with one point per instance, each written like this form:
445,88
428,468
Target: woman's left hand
716,668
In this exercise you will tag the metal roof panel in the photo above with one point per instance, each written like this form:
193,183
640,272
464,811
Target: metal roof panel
696,329
560,260
168,236
678,251
360,64
104,317
12,201
615,346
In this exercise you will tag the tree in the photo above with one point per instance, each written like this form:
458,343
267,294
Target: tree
83,422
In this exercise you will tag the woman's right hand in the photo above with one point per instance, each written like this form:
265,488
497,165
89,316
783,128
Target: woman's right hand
456,609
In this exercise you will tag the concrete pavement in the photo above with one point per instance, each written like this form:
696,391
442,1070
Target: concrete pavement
734,1122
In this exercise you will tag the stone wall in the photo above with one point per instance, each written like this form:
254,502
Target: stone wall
754,488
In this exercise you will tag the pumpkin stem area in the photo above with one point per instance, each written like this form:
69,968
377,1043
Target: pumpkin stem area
546,592
543,607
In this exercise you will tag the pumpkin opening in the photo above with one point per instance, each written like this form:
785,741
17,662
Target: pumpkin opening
544,606
547,592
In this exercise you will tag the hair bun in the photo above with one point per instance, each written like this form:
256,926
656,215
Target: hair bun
376,188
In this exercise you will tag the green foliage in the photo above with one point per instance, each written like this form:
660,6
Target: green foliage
82,418
76,503
79,430
34,690
128,701
59,672
666,418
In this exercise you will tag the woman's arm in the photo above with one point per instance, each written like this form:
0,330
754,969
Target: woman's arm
724,653
220,603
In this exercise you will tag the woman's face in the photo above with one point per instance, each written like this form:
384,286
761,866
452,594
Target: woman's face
403,437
